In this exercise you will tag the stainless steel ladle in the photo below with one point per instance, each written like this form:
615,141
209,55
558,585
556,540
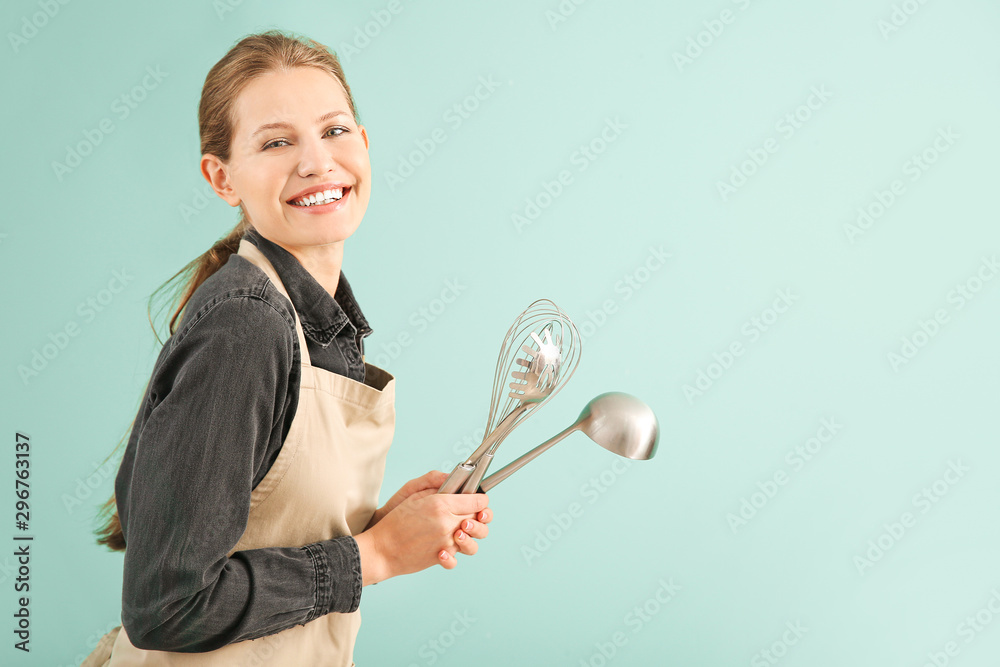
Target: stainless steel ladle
617,421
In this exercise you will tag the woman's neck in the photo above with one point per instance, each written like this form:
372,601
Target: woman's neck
323,262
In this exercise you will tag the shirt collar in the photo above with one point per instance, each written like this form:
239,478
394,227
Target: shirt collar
322,316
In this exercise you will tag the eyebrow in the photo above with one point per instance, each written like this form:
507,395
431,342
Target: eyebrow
273,126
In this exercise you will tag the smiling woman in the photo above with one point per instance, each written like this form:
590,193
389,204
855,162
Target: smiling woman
278,144
246,498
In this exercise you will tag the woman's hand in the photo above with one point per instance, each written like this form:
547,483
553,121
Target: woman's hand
426,528
432,480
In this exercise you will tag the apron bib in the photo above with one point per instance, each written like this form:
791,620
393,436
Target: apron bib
323,484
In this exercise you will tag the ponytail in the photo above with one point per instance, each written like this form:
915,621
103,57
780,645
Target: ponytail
192,275
248,59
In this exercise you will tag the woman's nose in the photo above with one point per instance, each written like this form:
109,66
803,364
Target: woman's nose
316,158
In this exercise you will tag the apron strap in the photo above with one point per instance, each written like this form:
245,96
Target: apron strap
252,253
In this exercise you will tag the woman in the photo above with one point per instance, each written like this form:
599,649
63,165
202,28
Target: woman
246,497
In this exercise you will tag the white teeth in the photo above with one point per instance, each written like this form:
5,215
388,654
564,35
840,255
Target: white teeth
325,197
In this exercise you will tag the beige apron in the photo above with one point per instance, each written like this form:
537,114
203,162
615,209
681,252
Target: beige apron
323,484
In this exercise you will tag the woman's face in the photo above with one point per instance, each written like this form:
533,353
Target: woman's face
271,165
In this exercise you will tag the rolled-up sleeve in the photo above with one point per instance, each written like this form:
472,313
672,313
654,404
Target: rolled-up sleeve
216,395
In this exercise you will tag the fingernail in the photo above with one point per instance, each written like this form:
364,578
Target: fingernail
461,536
486,515
468,524
443,555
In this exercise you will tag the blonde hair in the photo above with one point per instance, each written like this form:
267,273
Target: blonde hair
249,58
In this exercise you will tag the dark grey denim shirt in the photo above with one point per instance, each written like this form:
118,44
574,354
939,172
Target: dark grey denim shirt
218,405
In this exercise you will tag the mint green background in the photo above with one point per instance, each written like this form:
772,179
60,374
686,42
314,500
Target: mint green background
655,185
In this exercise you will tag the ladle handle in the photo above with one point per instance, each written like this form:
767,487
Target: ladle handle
518,463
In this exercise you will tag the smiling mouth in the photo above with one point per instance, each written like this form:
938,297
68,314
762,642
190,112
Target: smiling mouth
320,198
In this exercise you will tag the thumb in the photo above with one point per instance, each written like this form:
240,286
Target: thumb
467,503
434,478
421,493
407,505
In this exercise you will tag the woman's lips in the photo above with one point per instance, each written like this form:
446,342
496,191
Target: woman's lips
326,208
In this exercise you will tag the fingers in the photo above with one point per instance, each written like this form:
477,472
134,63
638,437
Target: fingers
469,531
466,544
447,559
467,534
474,529
422,493
466,503
430,480
434,478
470,512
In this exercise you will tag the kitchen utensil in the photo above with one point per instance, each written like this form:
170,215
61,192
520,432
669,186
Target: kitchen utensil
534,384
546,334
617,421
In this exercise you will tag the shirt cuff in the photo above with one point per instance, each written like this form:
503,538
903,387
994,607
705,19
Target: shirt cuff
337,563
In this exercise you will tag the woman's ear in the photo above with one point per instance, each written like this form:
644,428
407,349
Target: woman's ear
216,172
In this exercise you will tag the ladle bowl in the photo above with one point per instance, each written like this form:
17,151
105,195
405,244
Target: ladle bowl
617,421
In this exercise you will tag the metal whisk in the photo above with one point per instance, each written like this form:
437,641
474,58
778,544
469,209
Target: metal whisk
549,337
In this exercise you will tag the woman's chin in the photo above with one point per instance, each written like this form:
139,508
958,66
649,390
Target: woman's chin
327,236
329,239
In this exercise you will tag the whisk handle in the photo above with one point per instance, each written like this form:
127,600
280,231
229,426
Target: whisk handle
472,483
456,480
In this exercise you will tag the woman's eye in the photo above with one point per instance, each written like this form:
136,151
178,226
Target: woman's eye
276,142
273,143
